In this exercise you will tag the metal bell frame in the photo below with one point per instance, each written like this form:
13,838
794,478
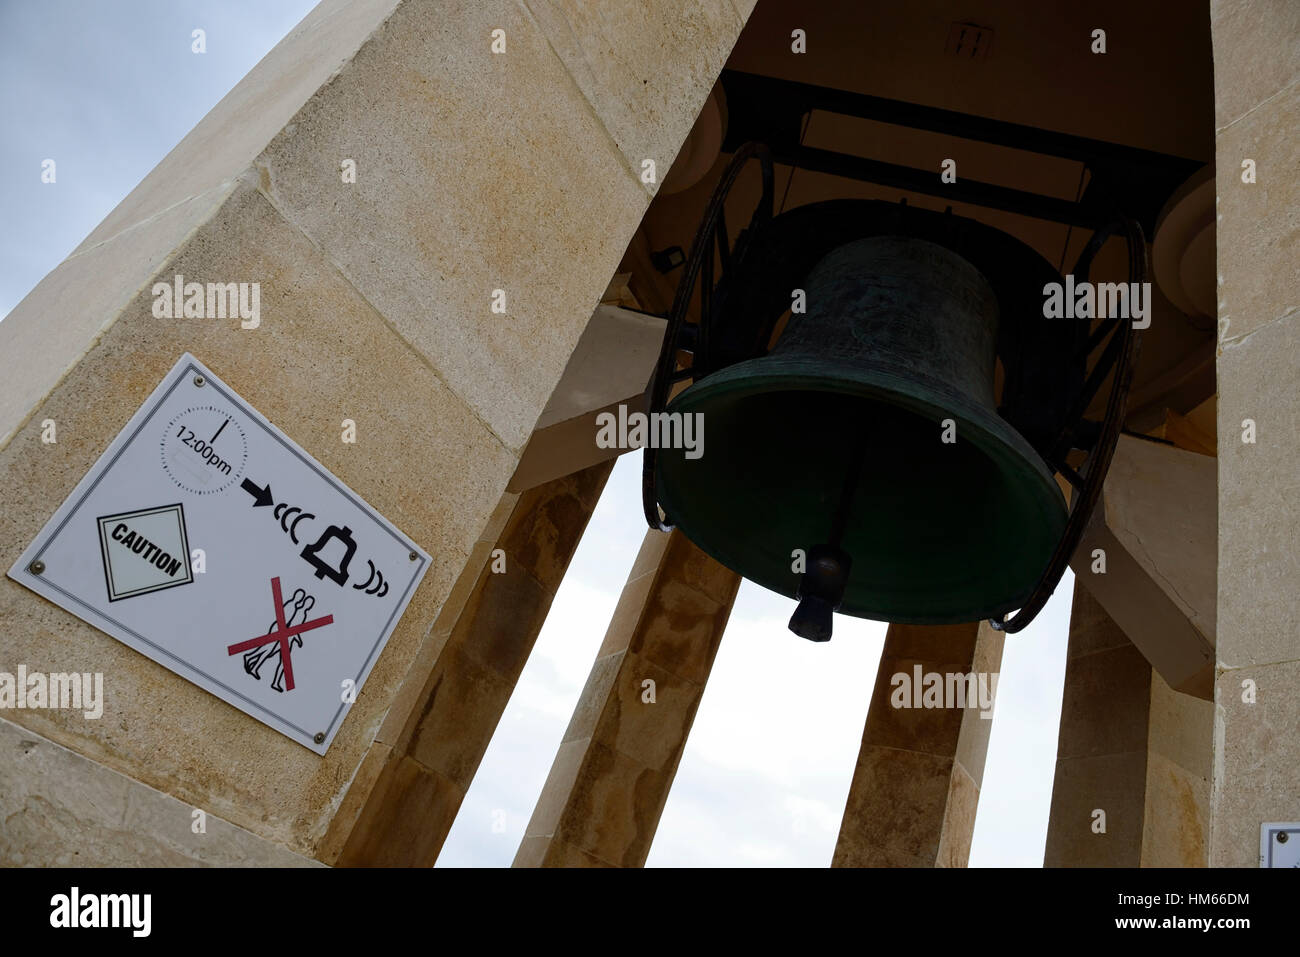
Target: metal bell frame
1115,339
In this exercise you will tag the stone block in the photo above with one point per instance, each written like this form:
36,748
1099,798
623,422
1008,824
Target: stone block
1258,751
1255,53
447,161
63,810
645,67
1259,223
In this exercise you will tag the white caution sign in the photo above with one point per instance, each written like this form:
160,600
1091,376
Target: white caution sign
208,540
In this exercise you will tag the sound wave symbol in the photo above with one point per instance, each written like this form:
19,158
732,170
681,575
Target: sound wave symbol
380,588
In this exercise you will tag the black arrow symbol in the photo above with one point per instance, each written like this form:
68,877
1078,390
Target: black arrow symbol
261,496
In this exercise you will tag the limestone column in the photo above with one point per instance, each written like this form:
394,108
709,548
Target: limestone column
917,781
430,746
481,177
1101,754
1257,722
1180,765
601,802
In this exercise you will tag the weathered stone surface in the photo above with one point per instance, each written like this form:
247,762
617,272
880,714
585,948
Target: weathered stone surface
610,368
1156,525
637,65
238,128
931,730
86,292
410,794
651,733
1259,565
1255,53
464,192
1181,729
1180,753
1259,223
1101,753
915,787
59,320
458,716
1257,754
1105,704
543,535
1257,85
895,811
1091,629
345,819
958,819
611,776
1177,815
613,807
976,727
58,809
1113,783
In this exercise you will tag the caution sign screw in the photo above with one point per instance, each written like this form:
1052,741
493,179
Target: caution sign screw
320,737
199,381
37,567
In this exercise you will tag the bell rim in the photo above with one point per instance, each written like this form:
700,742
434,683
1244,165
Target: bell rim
988,431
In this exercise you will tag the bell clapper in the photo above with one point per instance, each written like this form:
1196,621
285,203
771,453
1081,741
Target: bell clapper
821,589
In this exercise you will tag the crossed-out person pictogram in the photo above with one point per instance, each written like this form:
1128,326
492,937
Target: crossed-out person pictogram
282,633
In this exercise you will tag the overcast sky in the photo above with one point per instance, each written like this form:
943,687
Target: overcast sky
106,89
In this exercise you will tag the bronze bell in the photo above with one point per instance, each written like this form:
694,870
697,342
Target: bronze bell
862,464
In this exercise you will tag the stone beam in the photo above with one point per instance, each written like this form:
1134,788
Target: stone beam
611,367
601,802
1156,525
917,781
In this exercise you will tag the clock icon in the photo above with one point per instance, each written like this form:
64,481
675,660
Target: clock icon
204,449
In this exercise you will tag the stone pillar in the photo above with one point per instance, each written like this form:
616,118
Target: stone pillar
1130,746
475,171
601,802
1180,752
430,745
1257,722
1101,754
916,785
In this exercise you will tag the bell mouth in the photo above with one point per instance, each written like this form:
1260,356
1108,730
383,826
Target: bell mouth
938,533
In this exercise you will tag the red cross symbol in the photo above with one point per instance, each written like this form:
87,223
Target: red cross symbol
281,633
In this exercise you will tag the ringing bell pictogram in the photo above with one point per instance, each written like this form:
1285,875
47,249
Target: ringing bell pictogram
323,568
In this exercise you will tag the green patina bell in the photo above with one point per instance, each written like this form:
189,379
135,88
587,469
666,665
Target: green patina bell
834,444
